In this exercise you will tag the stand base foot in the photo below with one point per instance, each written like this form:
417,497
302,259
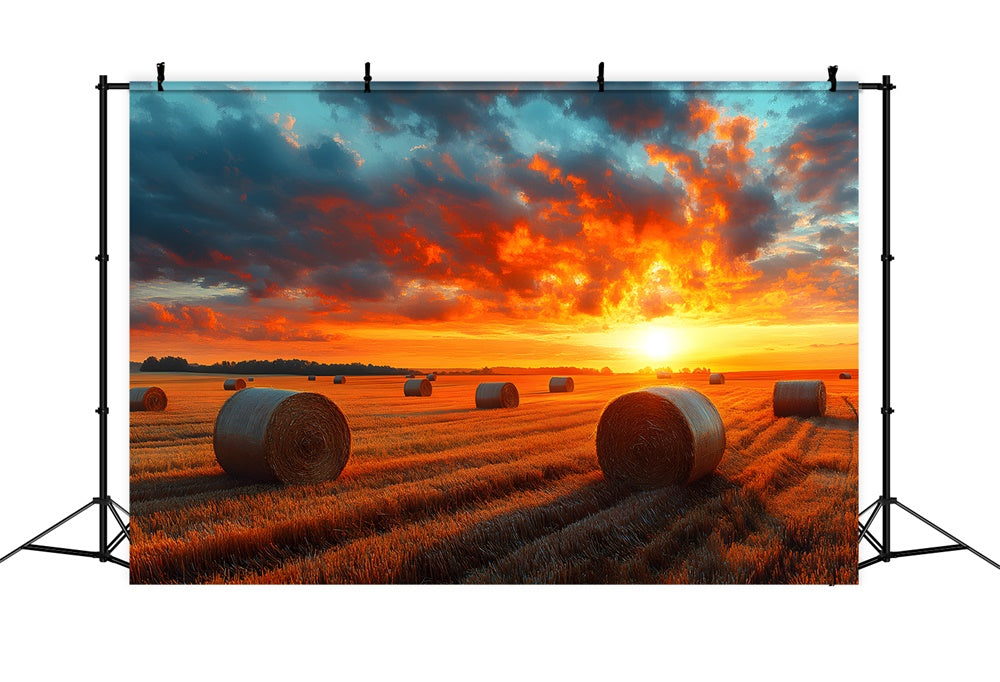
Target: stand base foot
104,554
885,554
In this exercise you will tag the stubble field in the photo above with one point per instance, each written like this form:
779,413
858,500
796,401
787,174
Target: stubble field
438,491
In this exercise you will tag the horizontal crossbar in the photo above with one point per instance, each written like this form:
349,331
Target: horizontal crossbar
62,550
868,562
926,550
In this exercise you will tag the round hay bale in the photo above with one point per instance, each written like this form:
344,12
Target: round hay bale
420,388
561,385
845,375
340,379
432,377
496,394
410,376
146,399
250,379
267,434
234,384
661,435
799,399
716,378
663,375
311,377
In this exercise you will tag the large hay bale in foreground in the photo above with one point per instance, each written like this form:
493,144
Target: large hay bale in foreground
234,384
311,377
340,379
661,435
561,385
267,434
716,378
147,399
496,394
799,398
845,375
432,377
420,388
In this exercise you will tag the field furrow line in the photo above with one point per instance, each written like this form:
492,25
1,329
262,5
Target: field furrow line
206,499
265,544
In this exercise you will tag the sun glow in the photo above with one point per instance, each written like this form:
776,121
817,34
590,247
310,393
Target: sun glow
658,344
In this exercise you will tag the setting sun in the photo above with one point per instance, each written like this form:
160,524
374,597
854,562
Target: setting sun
658,344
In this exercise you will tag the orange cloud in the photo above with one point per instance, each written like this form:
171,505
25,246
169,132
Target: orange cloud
702,116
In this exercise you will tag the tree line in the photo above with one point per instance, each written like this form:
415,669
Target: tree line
171,363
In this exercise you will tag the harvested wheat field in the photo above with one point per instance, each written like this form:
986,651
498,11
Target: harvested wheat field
437,491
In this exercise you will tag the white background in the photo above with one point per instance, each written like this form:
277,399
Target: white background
922,618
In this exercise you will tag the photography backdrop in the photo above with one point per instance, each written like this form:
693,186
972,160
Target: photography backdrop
430,628
653,242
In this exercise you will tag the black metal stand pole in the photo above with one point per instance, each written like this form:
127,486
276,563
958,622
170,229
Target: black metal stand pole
886,501
103,502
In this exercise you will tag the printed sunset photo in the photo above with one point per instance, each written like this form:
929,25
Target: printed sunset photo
494,333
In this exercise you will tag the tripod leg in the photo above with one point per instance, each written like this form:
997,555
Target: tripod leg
878,506
121,524
947,534
862,512
871,541
50,529
118,539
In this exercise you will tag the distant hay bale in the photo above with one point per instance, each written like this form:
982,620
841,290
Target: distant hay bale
799,398
496,394
662,435
340,379
267,434
147,399
845,375
420,388
410,376
250,379
716,378
311,377
663,375
432,377
561,385
234,384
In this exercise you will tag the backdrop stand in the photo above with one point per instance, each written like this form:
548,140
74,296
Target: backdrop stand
886,501
106,505
103,502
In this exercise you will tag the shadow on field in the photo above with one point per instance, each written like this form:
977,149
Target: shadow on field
608,532
717,530
836,423
466,410
184,485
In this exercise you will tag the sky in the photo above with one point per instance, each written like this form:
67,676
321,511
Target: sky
436,227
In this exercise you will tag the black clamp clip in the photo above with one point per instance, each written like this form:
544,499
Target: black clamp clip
368,76
600,77
832,77
160,68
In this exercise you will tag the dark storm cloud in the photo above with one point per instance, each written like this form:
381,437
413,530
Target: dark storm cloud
220,200
818,163
366,281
